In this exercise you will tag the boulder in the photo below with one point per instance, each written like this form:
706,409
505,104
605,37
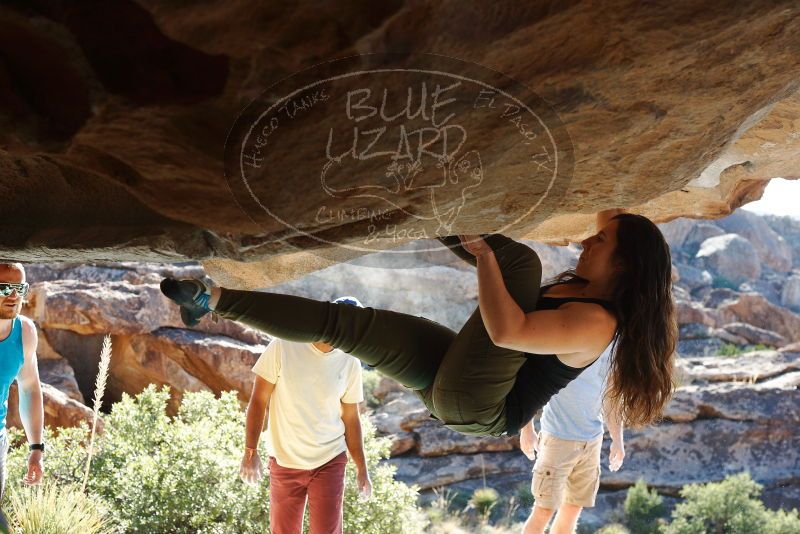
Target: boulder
748,401
755,335
184,360
386,386
784,381
143,359
676,231
387,419
747,367
699,233
55,370
718,296
418,291
768,286
754,309
693,278
694,331
100,181
790,295
60,375
444,470
773,249
118,307
59,409
693,312
94,272
699,347
789,229
730,257
670,455
436,440
728,337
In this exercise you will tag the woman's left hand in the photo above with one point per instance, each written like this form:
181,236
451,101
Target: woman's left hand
474,244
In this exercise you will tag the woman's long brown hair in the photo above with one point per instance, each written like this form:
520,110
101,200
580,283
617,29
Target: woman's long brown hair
642,364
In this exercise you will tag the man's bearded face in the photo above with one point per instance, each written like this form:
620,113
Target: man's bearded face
11,305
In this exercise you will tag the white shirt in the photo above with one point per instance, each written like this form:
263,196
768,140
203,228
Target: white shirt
305,427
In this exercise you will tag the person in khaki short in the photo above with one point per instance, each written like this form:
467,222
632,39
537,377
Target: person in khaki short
566,475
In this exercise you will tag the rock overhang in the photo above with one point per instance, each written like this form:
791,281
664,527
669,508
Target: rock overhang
670,111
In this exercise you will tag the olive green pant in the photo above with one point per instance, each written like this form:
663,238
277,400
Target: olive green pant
463,378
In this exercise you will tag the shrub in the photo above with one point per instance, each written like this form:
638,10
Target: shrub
731,506
782,522
392,507
729,349
50,509
162,474
483,501
643,508
613,528
155,473
524,495
371,379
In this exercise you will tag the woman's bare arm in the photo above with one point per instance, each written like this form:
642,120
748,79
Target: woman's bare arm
574,328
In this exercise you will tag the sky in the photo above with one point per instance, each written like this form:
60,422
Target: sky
781,197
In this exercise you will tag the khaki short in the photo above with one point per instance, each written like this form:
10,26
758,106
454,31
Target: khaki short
566,471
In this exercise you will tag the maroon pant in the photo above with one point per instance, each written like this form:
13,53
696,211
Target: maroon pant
324,487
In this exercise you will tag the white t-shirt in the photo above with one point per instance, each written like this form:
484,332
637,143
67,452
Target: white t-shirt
305,427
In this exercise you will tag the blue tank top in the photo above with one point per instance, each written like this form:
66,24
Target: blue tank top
575,412
11,359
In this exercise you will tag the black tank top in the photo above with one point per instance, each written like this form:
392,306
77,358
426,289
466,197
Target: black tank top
542,375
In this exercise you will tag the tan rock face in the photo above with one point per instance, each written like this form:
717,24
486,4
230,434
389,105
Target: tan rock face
754,309
59,409
678,110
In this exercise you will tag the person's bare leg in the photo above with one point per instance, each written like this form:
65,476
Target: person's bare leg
566,519
538,520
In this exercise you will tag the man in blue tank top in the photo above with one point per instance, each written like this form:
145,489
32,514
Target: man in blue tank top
18,342
566,475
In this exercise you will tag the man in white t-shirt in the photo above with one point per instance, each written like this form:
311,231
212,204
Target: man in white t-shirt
311,392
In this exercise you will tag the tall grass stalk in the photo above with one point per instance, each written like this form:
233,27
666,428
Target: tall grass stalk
99,389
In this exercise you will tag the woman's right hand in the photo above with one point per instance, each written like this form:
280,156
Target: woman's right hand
251,470
474,244
529,442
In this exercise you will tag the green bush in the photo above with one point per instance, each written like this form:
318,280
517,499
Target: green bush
729,349
613,528
524,494
50,509
643,509
731,506
158,474
392,507
483,502
371,379
782,522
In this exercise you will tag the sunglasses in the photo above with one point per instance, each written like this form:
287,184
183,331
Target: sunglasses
21,289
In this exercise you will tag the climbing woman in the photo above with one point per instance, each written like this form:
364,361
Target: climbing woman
521,344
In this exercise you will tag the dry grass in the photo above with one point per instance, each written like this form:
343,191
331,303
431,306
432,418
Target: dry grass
99,390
